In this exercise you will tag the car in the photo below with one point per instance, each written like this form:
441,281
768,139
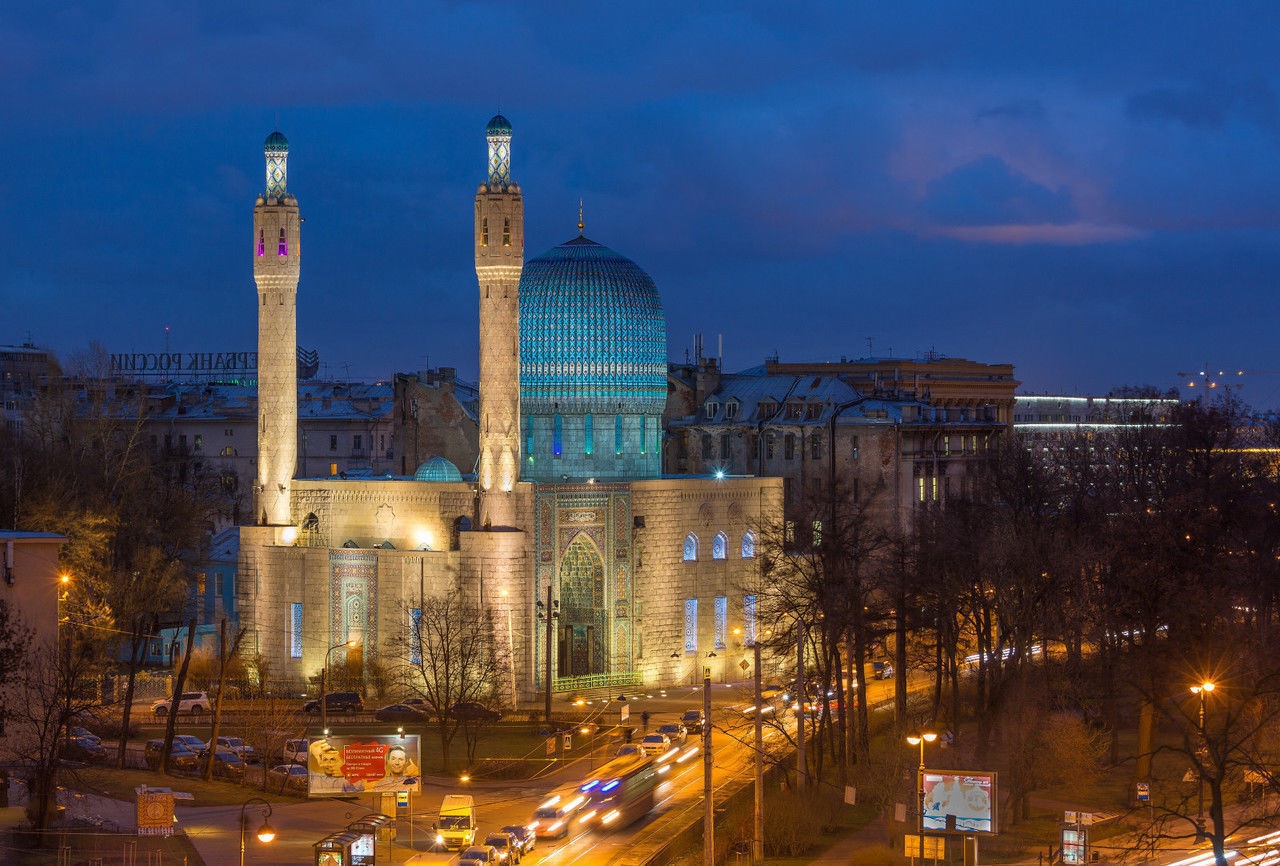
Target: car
478,854
399,713
195,703
83,734
692,721
418,704
770,691
472,711
336,702
656,744
191,741
675,732
226,764
181,759
505,844
83,750
525,837
295,751
288,777
631,749
882,670
239,746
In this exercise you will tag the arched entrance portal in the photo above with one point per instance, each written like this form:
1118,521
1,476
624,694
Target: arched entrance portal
582,644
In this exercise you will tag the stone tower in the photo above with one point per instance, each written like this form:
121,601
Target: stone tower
499,259
277,254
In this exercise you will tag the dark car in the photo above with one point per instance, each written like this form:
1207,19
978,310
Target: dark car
226,764
675,732
692,721
399,713
181,759
288,777
474,712
83,734
509,851
82,749
527,838
336,702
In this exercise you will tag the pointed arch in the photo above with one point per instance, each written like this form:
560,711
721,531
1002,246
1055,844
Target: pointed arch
748,545
720,546
690,548
583,609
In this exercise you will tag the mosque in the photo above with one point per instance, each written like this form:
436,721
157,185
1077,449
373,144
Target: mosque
648,575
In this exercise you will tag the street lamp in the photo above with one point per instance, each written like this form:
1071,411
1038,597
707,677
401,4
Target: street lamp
548,613
757,840
1201,689
324,672
919,740
708,805
265,832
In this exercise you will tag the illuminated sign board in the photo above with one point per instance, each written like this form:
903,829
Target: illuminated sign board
342,766
959,801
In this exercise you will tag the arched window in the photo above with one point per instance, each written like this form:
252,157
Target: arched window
588,435
262,242
719,546
749,545
557,434
484,231
617,435
284,245
690,548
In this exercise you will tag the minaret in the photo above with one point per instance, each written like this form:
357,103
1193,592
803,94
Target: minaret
499,258
277,254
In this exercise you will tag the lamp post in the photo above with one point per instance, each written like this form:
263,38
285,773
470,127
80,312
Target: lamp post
324,675
757,834
919,740
1201,689
708,806
265,832
802,765
548,613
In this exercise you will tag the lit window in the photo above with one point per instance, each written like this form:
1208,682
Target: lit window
415,636
690,548
719,546
749,620
262,242
748,546
295,630
691,625
588,435
528,438
284,245
722,621
617,435
557,433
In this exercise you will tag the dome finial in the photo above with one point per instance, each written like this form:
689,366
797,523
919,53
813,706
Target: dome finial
581,224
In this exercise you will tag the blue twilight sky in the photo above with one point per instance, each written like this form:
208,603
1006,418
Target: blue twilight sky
1087,190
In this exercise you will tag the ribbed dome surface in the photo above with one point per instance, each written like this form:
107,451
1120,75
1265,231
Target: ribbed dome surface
437,469
592,334
499,125
277,142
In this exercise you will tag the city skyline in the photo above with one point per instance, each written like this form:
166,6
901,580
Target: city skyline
1086,192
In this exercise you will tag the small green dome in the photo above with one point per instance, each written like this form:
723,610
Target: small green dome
276,142
437,469
498,126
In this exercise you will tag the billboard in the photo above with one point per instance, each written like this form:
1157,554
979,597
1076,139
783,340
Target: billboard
341,766
959,800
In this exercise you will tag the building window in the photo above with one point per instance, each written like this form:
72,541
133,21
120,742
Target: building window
789,447
333,443
415,636
730,410
767,410
528,438
813,411
719,546
691,625
725,446
617,435
262,242
706,446
795,411
588,435
295,630
690,548
713,409
217,583
722,620
853,448
506,232
357,443
815,447
768,446
283,249
749,620
557,434
749,545
199,442
484,231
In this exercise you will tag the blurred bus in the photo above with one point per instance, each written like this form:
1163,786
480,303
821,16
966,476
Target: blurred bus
551,818
620,792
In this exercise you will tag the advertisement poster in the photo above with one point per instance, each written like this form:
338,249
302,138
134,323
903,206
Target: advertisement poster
959,801
341,766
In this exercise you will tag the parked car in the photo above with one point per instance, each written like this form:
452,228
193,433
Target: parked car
82,749
882,670
675,732
226,764
195,703
336,702
478,854
181,759
692,721
527,839
472,711
505,844
418,704
399,713
295,751
656,744
288,777
83,734
191,741
239,746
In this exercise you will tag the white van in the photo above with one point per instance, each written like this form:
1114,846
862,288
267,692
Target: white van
457,826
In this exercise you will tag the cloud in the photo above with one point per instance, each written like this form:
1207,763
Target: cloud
1208,105
987,192
1025,109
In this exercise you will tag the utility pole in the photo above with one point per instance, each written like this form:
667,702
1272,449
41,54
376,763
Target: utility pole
708,805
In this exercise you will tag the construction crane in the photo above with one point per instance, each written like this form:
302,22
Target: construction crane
1223,377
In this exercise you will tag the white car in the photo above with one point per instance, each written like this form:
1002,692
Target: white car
295,751
656,744
195,703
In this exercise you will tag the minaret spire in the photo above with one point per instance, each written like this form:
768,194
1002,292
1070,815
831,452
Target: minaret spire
581,224
499,236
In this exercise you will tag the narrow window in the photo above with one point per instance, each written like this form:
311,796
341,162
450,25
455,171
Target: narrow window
854,449
706,446
357,443
415,636
262,242
284,245
815,447
724,446
643,422
789,447
617,435
768,446
719,546
588,435
557,433
295,630
749,620
217,583
722,620
333,443
690,548
506,232
748,546
199,442
528,438
691,625
484,232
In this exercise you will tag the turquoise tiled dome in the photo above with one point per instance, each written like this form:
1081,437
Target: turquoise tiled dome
276,141
592,334
499,125
437,469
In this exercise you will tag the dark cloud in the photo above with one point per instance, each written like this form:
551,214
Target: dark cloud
1208,105
986,192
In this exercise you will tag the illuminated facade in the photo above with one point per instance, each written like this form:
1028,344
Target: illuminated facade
567,507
